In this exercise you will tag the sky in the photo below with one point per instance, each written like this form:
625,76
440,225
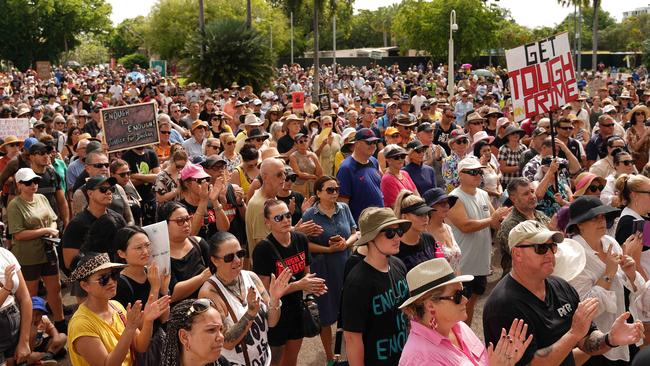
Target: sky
530,13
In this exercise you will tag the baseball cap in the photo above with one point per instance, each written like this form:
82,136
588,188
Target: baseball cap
38,303
193,171
98,180
415,145
425,126
457,135
533,232
390,131
39,147
365,134
28,143
212,160
393,151
25,175
539,131
469,163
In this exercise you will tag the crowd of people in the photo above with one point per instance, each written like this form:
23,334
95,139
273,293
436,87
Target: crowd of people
372,216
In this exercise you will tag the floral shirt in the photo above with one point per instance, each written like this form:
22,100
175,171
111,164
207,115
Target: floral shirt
450,171
164,183
231,164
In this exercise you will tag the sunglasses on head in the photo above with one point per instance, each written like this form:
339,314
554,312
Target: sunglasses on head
391,232
332,190
626,162
231,257
30,182
457,297
100,165
103,279
166,132
180,221
541,249
596,188
473,172
280,217
291,178
200,306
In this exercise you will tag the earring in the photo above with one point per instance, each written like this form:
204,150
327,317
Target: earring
433,324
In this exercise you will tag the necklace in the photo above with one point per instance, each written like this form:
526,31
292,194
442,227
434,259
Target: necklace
234,288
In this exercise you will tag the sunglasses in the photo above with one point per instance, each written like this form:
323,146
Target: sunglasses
566,128
230,257
103,279
395,135
216,147
40,153
106,189
302,141
291,178
608,125
462,141
370,142
199,180
100,165
60,123
182,220
400,157
391,232
457,297
541,249
200,306
626,162
596,188
332,190
30,182
473,172
280,217
125,174
166,132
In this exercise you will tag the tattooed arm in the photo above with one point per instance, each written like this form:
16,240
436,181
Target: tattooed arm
594,343
556,353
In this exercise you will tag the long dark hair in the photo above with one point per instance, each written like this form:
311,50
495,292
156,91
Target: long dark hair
214,243
320,183
167,209
123,235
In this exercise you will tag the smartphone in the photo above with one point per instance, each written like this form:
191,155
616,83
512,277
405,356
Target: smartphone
642,226
637,226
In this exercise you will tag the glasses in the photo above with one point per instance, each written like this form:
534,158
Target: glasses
566,128
291,178
607,125
60,123
230,257
391,232
200,306
400,157
332,190
100,165
182,220
596,188
199,180
369,143
648,192
280,217
40,153
125,174
14,144
166,132
216,147
541,249
395,135
462,141
103,279
473,172
302,141
457,297
105,189
626,162
30,182
476,123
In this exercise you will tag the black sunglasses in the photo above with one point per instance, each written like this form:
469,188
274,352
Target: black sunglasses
30,182
399,157
166,132
596,188
100,165
473,172
280,217
14,144
103,279
200,306
231,257
457,297
462,141
199,180
40,153
291,178
125,174
105,189
391,232
627,162
370,142
332,190
541,249
566,128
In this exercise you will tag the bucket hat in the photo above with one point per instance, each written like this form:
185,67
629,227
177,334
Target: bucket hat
257,133
373,219
92,265
513,129
430,275
482,135
586,208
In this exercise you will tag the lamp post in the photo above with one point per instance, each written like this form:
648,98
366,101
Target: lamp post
452,28
291,38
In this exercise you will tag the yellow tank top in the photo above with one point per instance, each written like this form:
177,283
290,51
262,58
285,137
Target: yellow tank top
243,180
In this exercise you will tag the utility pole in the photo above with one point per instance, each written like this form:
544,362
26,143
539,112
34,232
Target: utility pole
334,44
292,38
202,27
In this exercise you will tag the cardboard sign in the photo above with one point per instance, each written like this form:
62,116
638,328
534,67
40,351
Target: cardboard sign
18,127
298,100
159,238
542,76
130,126
324,102
43,69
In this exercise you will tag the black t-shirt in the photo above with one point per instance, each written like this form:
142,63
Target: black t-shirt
547,320
412,255
49,184
574,147
297,213
625,228
129,291
209,226
75,235
143,164
237,224
296,257
371,301
285,143
441,136
192,264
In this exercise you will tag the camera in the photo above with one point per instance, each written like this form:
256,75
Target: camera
548,159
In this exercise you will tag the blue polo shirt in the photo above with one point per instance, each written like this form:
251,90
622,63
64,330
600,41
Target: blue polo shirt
423,176
361,184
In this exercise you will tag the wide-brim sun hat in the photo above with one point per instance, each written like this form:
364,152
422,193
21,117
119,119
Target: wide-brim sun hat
10,140
93,265
585,208
430,275
482,136
374,219
638,108
512,130
570,259
583,181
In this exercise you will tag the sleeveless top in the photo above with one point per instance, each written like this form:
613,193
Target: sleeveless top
475,247
305,164
244,183
257,344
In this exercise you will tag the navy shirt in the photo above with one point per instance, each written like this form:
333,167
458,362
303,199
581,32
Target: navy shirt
423,176
361,183
593,147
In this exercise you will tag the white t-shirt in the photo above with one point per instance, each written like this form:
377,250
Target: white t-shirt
7,259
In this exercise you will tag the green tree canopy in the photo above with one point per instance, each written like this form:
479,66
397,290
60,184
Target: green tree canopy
90,51
41,30
128,36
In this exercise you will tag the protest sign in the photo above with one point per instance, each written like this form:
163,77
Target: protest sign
160,66
159,239
541,76
43,69
324,102
130,126
18,127
298,100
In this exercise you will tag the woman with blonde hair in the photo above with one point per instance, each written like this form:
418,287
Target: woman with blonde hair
634,195
416,245
327,147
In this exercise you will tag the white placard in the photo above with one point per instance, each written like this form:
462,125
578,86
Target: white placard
18,127
159,238
541,76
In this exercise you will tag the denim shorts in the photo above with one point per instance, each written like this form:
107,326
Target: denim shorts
10,325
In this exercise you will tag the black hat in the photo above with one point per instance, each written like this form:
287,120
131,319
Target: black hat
585,208
393,151
98,180
425,126
415,145
365,134
435,195
405,120
257,133
419,208
39,147
513,129
212,160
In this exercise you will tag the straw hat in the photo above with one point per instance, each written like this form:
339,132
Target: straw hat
10,140
430,275
638,108
290,118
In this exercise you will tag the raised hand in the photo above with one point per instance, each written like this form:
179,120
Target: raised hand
153,277
313,285
611,261
155,309
279,285
623,333
9,273
253,302
584,314
134,316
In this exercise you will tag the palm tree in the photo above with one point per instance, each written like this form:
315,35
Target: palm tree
595,4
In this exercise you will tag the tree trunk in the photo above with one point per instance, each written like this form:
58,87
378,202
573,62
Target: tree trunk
249,15
316,87
594,37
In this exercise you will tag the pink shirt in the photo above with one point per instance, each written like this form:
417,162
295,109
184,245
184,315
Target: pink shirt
425,346
391,186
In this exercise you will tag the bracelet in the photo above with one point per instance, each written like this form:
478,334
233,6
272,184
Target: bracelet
271,307
607,341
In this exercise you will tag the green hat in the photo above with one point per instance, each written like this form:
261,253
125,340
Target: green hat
374,219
